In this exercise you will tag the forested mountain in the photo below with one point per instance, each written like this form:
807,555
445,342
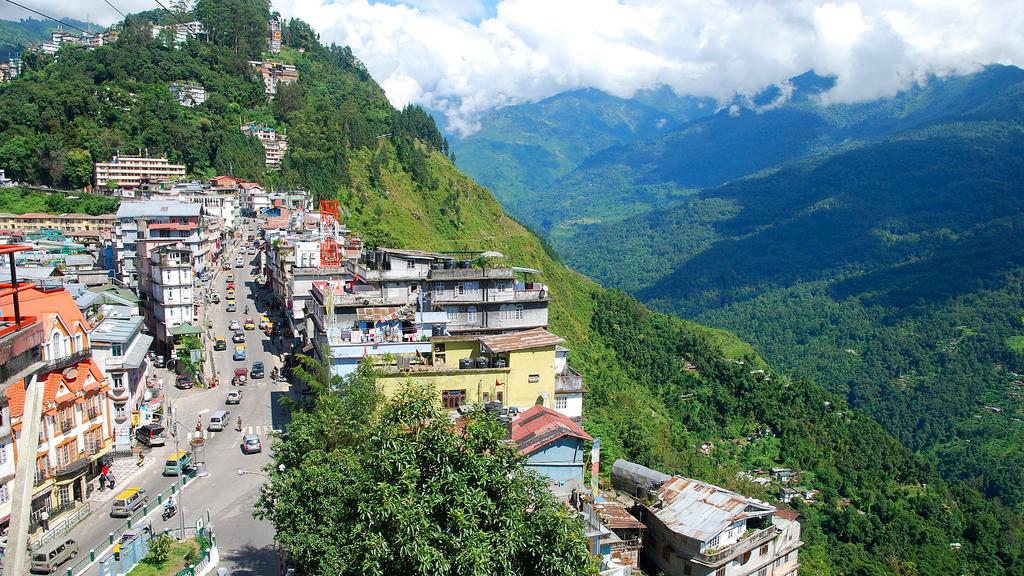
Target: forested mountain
15,35
889,271
658,387
523,150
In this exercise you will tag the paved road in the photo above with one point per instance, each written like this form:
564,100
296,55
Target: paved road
246,545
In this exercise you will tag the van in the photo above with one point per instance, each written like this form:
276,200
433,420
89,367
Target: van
150,434
127,502
53,555
218,420
177,463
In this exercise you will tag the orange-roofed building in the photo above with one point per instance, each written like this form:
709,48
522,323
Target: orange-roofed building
553,445
76,425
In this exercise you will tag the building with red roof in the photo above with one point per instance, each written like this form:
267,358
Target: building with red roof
554,447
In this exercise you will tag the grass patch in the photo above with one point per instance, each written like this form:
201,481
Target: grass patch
1016,343
174,563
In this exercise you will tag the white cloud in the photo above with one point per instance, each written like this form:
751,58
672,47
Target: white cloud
465,57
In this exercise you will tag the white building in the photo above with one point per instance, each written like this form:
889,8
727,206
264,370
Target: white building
568,387
274,145
182,32
252,199
188,93
119,348
167,290
133,171
163,220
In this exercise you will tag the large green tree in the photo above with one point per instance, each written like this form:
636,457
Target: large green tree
374,486
238,24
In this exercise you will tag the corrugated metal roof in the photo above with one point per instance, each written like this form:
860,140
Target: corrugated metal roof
615,516
535,338
540,426
382,314
700,510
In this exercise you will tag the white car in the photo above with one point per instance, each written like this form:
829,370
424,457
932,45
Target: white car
235,325
234,397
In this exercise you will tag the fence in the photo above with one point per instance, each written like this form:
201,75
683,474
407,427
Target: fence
63,527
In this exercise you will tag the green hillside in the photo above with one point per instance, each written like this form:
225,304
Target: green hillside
658,387
16,34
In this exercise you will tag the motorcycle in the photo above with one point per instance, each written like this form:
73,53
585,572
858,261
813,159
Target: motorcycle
169,512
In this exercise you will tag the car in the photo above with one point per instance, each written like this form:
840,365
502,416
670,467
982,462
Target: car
238,337
220,343
183,382
159,361
252,251
231,294
239,263
231,307
251,444
150,434
239,352
230,285
235,325
230,277
264,320
249,324
257,370
215,298
233,397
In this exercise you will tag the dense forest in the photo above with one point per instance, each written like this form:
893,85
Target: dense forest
883,510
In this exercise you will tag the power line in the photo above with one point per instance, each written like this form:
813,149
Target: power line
176,17
47,16
123,15
18,44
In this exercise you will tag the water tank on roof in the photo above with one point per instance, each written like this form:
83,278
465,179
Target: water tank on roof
500,363
483,362
466,363
449,264
465,264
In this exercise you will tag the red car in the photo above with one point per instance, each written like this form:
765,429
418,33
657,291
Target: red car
231,285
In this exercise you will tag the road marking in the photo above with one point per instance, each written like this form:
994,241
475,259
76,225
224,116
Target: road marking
204,411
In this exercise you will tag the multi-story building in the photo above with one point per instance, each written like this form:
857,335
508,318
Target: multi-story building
699,529
181,32
87,40
252,199
274,145
188,93
131,172
162,220
9,70
119,348
69,224
480,300
274,36
76,427
275,73
167,291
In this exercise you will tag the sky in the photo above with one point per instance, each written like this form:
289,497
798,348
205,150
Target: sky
462,58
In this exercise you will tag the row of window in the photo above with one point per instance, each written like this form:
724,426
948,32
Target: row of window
461,288
505,312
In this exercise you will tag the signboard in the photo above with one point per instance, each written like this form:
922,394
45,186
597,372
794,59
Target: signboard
123,437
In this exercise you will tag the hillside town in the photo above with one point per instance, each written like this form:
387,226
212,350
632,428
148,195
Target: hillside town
123,321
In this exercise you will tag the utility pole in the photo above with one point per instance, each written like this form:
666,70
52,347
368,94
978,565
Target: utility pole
24,478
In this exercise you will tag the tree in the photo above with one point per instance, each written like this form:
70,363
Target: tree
159,550
238,24
374,486
78,167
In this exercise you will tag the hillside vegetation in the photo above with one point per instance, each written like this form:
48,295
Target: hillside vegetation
884,510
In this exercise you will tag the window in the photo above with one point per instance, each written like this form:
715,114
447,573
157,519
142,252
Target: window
503,312
115,350
561,402
78,342
3,452
500,397
5,493
453,313
713,543
439,288
500,286
519,312
119,411
471,314
487,397
118,380
534,378
452,399
720,572
460,289
763,571
410,264
55,346
764,550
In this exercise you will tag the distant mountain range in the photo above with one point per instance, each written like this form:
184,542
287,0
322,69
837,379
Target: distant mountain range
17,33
875,247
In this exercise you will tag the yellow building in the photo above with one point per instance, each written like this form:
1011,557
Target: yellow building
515,369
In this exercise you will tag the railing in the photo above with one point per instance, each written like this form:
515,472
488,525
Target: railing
66,426
65,361
738,548
516,295
631,544
463,273
568,380
41,476
63,526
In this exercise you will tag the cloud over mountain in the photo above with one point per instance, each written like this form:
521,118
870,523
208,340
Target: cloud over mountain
464,57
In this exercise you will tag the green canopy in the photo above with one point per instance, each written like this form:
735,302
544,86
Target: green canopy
184,330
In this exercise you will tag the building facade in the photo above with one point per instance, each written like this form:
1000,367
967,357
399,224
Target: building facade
274,144
167,290
161,220
69,224
131,172
275,73
188,93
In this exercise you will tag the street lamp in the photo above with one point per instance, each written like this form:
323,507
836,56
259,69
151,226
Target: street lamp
280,468
181,501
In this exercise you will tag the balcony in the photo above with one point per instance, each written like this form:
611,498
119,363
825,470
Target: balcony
93,413
66,426
569,380
471,273
42,475
69,467
720,557
65,361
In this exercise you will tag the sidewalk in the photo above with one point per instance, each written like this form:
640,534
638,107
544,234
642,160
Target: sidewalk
124,470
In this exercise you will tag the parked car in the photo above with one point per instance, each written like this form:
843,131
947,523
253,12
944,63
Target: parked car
251,444
238,337
249,324
239,263
215,298
220,343
234,397
231,307
257,370
239,352
230,277
52,555
150,435
235,325
183,382
231,285
159,361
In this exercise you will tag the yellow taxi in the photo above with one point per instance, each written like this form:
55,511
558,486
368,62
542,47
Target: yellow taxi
231,293
220,343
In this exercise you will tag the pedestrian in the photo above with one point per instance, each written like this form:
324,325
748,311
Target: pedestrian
110,481
44,519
